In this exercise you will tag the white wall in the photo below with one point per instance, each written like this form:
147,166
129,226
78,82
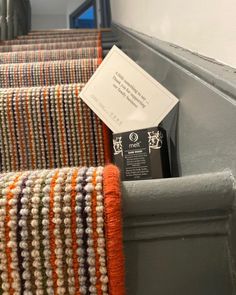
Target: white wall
44,22
207,27
72,5
48,7
52,14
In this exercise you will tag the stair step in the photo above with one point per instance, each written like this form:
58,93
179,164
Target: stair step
49,46
61,35
47,73
51,40
188,194
49,127
50,55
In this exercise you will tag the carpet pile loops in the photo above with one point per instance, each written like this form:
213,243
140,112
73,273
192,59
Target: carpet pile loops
50,55
47,73
60,199
72,38
57,232
49,127
50,46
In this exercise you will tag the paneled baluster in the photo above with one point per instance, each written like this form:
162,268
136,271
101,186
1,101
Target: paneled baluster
10,13
3,20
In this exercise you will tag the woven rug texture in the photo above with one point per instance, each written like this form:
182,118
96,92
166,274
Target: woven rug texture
60,232
50,46
59,35
72,38
49,127
50,55
47,73
60,203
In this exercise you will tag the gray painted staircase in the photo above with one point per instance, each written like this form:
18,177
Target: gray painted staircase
180,233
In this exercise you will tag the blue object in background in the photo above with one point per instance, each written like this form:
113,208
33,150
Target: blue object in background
86,19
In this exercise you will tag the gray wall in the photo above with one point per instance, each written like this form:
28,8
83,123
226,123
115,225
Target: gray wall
205,136
53,14
180,233
42,22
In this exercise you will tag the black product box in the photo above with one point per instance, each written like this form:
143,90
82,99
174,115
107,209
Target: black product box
142,154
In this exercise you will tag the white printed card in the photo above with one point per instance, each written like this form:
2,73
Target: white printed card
124,96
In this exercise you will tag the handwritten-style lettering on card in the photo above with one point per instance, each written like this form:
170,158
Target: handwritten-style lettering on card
124,96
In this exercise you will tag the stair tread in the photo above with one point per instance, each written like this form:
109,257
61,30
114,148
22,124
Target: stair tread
214,191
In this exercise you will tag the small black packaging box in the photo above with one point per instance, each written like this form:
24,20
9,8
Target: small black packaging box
142,154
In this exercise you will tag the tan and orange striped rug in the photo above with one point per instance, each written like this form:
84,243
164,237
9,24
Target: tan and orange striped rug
71,38
47,73
61,232
49,127
50,46
50,55
60,222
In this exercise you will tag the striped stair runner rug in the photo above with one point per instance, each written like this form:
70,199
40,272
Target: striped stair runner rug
50,127
61,232
59,32
52,40
60,35
47,73
68,31
50,55
50,46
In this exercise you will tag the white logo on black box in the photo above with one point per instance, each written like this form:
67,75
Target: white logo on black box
133,136
155,140
117,146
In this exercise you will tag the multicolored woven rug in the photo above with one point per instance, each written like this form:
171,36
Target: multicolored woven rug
50,55
72,38
60,230
61,233
58,35
66,31
47,73
50,46
49,127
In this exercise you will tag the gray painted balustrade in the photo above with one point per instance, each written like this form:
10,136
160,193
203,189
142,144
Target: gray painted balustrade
25,17
15,22
3,20
180,233
15,18
177,235
10,15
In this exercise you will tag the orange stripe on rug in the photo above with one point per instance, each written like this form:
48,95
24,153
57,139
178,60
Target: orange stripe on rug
113,230
99,60
100,52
